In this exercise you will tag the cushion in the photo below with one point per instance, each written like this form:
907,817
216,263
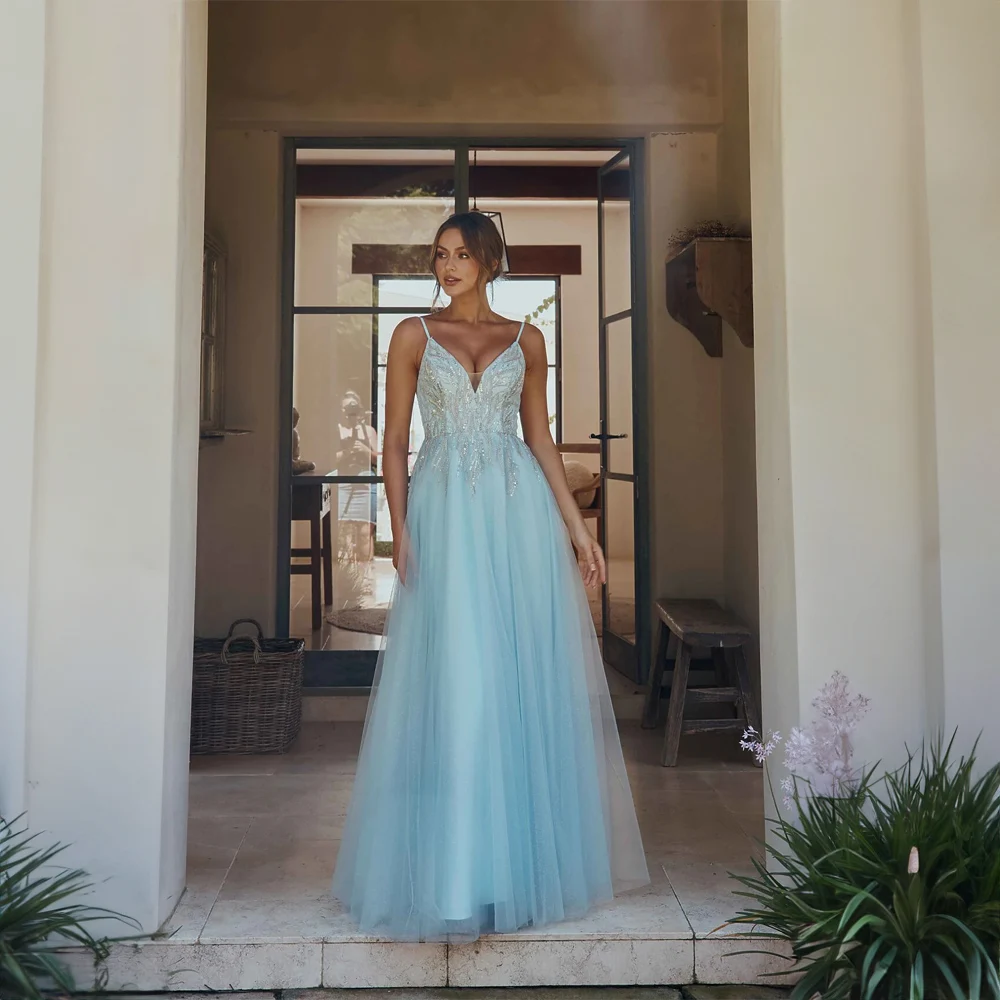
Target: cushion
578,475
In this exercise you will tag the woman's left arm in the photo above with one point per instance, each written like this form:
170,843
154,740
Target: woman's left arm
538,437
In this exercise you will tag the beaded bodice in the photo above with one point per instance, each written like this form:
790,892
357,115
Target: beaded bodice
474,419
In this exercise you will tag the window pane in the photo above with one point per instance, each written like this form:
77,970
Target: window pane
619,349
360,213
331,390
530,299
620,555
415,293
617,239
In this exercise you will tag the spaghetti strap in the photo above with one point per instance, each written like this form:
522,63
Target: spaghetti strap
519,332
424,325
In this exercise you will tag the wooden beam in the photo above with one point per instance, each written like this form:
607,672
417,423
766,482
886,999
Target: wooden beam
541,259
394,180
413,258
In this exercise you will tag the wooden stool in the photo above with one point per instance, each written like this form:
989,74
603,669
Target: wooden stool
699,623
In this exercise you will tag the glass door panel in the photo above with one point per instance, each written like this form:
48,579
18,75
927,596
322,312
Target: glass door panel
616,229
361,232
618,342
624,600
361,213
619,553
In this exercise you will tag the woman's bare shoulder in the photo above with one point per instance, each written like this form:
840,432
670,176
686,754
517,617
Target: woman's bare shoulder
533,342
407,338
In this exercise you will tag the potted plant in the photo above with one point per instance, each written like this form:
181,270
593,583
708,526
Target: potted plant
888,888
38,917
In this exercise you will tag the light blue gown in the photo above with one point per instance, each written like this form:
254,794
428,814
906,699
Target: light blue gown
490,792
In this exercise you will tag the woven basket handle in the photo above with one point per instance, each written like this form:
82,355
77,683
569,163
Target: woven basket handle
255,639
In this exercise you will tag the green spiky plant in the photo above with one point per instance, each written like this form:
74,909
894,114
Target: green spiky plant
889,890
38,917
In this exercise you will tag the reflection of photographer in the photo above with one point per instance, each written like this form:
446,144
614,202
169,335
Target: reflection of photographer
357,456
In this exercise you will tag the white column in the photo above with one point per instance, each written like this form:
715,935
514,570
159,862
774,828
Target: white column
961,124
843,489
22,87
113,542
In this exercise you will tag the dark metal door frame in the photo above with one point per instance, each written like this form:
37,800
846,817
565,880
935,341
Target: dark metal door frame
630,659
355,668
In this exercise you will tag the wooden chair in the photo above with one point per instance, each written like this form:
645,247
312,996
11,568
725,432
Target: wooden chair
312,502
594,510
687,624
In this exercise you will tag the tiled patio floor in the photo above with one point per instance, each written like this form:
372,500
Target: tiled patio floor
263,839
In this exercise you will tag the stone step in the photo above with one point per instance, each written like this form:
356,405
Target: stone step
508,961
443,993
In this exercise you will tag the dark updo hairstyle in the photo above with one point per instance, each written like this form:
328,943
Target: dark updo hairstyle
481,239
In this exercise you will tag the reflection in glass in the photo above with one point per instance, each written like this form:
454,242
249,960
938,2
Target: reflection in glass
615,192
619,349
358,207
332,389
364,253
620,556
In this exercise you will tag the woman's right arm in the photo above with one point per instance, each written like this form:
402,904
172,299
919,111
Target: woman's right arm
400,386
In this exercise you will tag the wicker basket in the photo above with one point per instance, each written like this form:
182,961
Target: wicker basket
246,696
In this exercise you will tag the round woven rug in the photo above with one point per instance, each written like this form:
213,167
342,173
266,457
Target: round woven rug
372,620
359,619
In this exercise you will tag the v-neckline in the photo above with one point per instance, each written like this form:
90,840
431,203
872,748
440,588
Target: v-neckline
473,386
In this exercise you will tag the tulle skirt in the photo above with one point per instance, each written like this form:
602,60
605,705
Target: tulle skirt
491,792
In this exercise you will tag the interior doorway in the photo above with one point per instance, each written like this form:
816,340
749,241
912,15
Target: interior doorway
358,220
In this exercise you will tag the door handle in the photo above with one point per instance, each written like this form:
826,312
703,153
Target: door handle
608,437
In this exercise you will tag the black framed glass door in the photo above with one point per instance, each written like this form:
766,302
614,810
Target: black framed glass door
624,519
357,218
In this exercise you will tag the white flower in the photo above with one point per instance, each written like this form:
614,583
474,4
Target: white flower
840,712
761,750
788,788
913,864
822,753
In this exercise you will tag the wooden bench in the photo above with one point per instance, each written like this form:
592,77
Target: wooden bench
690,624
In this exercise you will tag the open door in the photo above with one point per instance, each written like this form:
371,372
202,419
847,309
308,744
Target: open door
623,414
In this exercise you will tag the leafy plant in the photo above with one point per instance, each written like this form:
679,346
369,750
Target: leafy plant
37,917
709,228
891,892
540,314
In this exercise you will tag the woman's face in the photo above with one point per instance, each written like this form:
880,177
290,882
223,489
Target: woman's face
454,266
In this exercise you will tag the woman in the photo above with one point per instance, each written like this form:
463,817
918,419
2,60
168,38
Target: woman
491,792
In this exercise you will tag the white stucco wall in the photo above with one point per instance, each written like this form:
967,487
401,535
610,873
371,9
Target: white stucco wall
960,101
876,233
685,384
22,94
852,523
237,479
111,586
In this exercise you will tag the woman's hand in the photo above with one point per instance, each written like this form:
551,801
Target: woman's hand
589,557
401,553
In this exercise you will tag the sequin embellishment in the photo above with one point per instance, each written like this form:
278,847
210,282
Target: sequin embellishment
470,428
